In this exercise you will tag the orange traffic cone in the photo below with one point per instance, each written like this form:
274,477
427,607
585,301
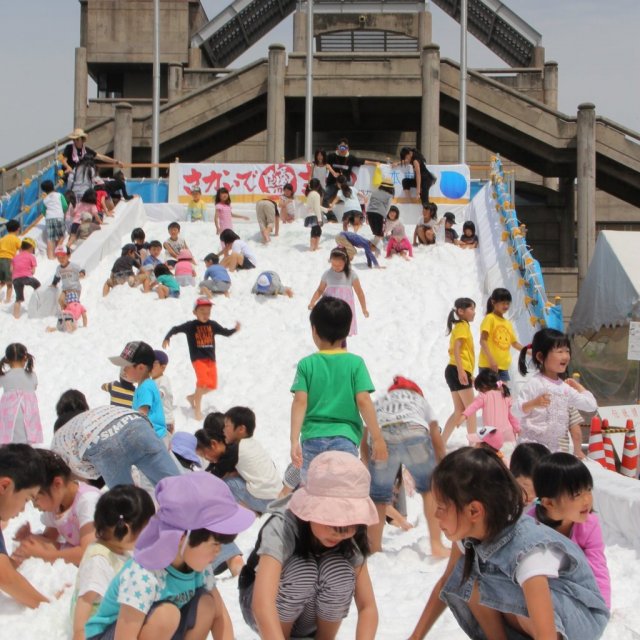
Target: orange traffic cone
596,444
629,466
609,455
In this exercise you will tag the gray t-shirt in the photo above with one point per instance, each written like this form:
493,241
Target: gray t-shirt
275,288
18,380
279,535
379,202
338,279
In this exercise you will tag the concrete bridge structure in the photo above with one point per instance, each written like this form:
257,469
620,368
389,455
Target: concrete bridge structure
378,79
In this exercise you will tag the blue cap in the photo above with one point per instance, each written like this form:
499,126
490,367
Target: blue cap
263,283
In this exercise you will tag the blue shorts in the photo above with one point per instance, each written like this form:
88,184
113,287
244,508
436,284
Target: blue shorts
313,447
238,487
409,446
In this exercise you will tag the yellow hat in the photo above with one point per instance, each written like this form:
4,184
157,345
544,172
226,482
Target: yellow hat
78,133
30,241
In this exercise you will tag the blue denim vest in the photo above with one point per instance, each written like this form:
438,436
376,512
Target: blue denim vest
579,610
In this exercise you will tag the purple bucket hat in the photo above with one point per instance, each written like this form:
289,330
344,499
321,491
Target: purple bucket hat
187,502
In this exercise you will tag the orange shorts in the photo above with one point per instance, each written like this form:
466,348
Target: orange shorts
206,373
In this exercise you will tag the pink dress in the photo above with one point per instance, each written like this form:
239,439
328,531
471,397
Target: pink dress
225,221
340,286
496,412
19,413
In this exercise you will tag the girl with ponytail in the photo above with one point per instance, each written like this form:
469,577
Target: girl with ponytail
462,359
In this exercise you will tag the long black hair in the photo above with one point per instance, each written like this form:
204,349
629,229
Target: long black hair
343,185
453,317
543,342
229,236
556,475
477,474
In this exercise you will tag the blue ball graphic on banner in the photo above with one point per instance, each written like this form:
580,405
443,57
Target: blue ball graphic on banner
453,185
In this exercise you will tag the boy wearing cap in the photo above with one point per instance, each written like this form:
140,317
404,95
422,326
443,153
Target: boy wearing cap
201,334
268,283
21,475
196,207
164,386
411,431
137,360
9,245
23,268
450,234
168,588
332,392
69,274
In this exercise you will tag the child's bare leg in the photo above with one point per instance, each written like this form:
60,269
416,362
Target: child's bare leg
437,548
375,530
327,630
265,232
16,310
105,289
235,565
7,296
491,621
221,627
458,408
467,396
197,401
161,624
397,519
205,615
277,228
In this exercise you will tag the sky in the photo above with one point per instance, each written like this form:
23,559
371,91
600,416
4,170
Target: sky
595,43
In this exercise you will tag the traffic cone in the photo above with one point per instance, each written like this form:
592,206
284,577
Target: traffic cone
629,466
596,444
609,455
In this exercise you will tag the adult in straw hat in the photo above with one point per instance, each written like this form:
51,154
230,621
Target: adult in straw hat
78,149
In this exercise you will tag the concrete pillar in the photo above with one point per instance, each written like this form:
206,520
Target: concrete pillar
275,103
80,89
424,29
538,57
550,83
586,196
430,112
175,81
195,58
300,31
123,135
567,223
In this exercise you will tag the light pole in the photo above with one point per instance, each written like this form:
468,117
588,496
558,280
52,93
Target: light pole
155,110
308,107
462,127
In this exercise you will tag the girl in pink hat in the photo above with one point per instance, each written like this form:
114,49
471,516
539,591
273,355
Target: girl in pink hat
311,555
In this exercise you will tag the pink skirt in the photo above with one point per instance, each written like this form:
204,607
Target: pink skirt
344,293
19,413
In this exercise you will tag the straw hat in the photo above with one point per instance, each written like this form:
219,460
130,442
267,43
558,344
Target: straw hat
77,133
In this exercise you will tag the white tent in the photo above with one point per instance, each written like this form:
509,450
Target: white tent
608,300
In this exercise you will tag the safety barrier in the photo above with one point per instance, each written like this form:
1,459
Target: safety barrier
542,312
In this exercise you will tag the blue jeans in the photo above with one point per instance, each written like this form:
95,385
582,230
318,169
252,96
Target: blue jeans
406,445
227,551
238,487
315,446
136,443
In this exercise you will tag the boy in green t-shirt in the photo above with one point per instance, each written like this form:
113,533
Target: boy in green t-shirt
332,390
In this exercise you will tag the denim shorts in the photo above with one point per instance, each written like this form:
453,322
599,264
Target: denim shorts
188,614
238,487
313,447
409,446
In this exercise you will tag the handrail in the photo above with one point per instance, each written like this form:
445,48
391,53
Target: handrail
630,133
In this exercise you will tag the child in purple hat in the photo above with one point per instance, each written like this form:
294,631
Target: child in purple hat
168,588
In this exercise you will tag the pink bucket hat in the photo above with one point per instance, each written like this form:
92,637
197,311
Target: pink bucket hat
187,502
488,435
336,493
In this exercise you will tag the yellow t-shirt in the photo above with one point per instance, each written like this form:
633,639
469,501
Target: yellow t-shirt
501,337
462,331
9,245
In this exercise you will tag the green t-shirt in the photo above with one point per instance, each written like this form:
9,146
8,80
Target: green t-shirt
331,380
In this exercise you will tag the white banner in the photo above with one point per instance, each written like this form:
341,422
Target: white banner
250,182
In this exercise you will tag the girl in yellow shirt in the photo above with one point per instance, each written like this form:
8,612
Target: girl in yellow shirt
462,360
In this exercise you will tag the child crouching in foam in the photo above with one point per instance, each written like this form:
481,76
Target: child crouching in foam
120,516
172,559
68,507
